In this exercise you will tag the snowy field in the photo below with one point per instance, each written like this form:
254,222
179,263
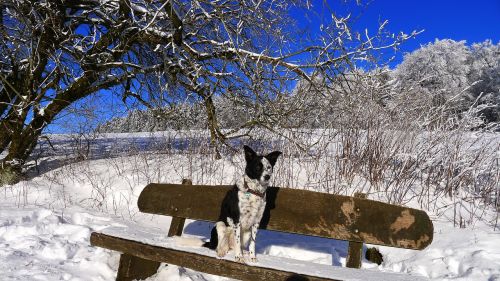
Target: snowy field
46,220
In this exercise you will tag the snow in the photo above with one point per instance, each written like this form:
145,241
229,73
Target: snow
458,254
156,237
46,222
41,244
138,8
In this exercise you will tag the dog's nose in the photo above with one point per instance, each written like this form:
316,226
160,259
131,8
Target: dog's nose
267,177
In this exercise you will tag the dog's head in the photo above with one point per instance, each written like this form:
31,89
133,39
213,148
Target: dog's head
260,167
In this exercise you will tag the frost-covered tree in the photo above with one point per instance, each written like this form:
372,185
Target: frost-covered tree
485,76
436,74
451,76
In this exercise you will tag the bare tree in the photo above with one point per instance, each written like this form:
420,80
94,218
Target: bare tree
53,53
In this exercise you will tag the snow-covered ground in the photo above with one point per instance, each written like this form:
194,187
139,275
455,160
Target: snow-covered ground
46,221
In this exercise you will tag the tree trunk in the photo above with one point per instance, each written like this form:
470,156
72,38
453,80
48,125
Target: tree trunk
212,125
23,139
22,142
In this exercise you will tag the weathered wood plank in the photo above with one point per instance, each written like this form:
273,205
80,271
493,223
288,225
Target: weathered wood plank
301,212
196,262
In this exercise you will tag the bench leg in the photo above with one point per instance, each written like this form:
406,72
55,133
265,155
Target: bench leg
354,254
132,268
355,251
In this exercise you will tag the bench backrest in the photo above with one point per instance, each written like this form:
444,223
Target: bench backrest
302,212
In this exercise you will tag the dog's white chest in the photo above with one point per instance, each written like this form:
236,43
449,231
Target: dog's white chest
251,209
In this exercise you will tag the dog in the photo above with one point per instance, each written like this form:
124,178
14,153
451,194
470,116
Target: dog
241,210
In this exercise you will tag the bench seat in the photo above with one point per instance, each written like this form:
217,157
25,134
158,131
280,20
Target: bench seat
152,244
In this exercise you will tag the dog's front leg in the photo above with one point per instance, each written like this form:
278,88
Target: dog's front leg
223,241
251,247
238,256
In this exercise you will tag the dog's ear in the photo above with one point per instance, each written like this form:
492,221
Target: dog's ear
249,153
273,157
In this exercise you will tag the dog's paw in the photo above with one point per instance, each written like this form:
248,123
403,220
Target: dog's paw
239,258
252,257
221,251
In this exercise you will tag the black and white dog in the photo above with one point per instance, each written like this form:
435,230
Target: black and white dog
242,209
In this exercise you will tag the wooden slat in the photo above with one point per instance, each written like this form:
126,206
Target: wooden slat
301,212
194,261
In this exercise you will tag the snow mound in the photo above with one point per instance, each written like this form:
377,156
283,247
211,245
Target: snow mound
455,254
40,244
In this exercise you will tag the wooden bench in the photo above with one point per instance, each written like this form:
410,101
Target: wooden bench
288,210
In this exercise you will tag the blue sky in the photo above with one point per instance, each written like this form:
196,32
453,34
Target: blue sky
473,21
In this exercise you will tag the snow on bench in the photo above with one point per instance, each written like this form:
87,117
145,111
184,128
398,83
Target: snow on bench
155,237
